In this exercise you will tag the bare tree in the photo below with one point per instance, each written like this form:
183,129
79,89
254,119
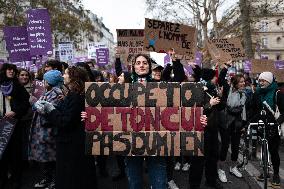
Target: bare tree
246,27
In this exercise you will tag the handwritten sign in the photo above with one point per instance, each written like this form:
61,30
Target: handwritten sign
17,43
224,50
161,36
262,65
144,119
129,43
6,130
39,32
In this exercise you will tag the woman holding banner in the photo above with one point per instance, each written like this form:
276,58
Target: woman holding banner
73,168
14,103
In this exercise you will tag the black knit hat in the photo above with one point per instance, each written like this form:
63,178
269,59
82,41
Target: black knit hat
208,74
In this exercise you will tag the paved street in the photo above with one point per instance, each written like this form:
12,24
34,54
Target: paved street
248,182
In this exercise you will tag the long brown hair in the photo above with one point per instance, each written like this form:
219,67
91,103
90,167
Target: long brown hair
78,77
236,79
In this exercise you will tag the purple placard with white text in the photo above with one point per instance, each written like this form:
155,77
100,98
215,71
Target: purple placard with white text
17,43
39,32
198,58
279,64
102,56
247,66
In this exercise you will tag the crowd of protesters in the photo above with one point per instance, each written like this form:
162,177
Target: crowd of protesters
50,130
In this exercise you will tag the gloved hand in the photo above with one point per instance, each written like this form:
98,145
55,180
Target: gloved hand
39,107
48,107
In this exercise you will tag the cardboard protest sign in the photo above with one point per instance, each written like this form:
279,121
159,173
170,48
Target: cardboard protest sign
129,43
279,75
66,53
152,94
17,43
144,119
262,65
39,32
162,36
162,143
224,50
6,130
151,117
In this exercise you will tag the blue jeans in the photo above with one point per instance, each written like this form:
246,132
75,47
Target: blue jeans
156,169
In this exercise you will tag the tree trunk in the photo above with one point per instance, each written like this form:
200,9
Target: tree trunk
214,16
246,30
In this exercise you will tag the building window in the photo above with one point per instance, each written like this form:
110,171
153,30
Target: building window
278,22
278,57
263,26
278,40
264,43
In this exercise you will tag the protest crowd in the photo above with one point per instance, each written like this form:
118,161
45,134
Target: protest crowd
52,114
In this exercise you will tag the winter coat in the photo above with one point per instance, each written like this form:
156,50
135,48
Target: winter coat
42,137
178,71
74,169
19,100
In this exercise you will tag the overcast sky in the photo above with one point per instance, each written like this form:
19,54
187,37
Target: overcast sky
125,14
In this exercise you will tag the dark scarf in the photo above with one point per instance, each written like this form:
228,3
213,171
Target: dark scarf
6,87
267,94
135,77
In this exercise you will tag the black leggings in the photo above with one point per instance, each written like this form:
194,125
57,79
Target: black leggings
233,135
273,146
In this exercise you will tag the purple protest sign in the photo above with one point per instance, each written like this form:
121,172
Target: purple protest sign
80,59
279,64
167,59
39,32
247,66
102,56
198,58
38,89
17,43
188,69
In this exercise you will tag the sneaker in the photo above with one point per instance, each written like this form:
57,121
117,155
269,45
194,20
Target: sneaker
50,186
186,167
261,177
235,171
41,184
172,185
177,166
275,182
222,176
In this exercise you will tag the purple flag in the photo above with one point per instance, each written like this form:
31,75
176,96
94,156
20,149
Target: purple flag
279,64
17,43
247,66
39,31
102,56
